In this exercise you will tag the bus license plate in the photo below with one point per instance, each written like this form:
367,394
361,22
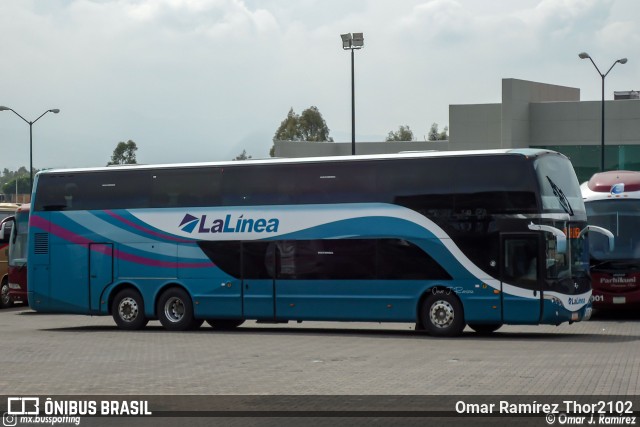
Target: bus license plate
619,300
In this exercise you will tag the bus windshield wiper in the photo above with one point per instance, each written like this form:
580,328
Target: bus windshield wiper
562,198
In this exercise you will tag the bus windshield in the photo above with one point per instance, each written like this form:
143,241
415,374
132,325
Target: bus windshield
559,187
621,217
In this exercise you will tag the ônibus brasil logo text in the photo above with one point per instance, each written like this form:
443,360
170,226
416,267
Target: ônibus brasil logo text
228,224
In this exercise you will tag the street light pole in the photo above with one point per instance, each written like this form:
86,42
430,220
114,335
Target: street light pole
585,55
352,42
30,123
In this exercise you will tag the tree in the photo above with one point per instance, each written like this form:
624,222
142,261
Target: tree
308,126
289,129
313,127
23,185
403,133
242,156
434,135
124,154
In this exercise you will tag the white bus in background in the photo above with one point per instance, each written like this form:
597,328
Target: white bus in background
612,200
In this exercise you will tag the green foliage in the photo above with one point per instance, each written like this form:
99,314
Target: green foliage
289,129
308,126
23,185
312,126
8,180
435,135
242,156
124,154
403,133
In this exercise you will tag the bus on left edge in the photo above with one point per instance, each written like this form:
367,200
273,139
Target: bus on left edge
7,210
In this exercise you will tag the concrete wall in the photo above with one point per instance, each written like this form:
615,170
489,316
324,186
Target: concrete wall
505,125
475,127
579,123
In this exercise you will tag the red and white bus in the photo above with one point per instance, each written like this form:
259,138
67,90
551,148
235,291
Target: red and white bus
6,210
612,200
18,256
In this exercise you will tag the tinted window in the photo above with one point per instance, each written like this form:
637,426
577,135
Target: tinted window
334,182
257,260
520,262
622,218
402,260
89,191
257,185
341,259
559,187
186,187
225,255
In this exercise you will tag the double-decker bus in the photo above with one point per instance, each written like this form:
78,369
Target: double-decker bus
480,238
612,200
6,210
17,274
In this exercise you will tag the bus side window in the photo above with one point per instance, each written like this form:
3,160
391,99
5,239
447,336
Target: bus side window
521,262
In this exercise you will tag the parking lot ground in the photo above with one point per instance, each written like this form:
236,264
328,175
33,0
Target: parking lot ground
75,355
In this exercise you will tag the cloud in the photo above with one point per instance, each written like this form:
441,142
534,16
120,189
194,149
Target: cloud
191,79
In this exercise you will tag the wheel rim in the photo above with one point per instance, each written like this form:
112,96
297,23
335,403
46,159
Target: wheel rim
5,294
441,314
174,309
128,309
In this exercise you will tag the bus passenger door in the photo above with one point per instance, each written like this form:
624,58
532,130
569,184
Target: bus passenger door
258,285
100,272
521,258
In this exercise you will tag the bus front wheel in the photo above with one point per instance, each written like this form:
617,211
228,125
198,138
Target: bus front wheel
128,310
175,310
442,315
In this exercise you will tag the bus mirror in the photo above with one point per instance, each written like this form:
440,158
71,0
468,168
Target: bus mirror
5,230
596,229
561,239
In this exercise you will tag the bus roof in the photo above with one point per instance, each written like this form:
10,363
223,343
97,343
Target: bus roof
405,155
612,184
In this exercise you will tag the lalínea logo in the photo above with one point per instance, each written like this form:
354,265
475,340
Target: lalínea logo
228,224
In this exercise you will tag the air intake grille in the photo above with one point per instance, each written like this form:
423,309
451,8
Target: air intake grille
42,244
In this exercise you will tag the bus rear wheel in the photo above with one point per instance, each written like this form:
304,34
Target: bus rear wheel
128,310
225,324
175,310
485,328
442,315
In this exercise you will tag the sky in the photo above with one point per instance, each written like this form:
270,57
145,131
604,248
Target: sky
203,80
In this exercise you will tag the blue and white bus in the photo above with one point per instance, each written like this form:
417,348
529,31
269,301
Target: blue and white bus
445,240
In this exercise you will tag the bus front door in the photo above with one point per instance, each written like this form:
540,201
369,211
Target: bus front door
258,284
521,257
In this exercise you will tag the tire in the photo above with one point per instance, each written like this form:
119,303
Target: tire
442,315
485,328
5,299
127,310
175,310
225,324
